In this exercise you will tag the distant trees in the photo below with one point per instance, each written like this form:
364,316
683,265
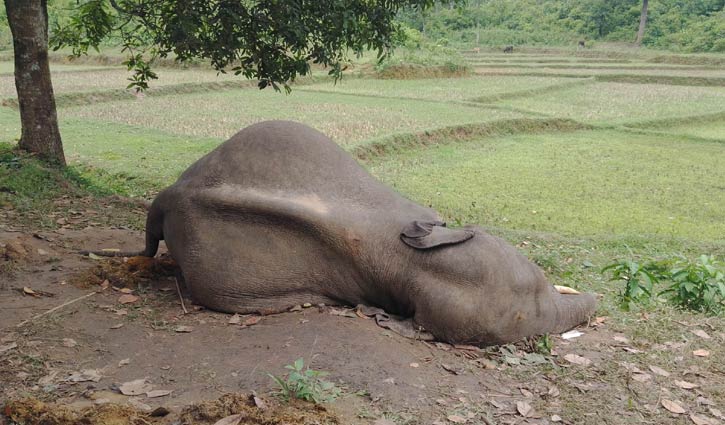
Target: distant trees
685,25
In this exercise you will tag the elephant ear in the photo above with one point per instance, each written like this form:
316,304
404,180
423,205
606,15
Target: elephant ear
430,234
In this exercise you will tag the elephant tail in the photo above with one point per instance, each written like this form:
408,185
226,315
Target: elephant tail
154,234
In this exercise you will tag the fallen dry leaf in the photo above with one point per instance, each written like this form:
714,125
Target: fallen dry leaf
641,377
251,321
230,420
659,371
85,375
343,313
69,342
672,406
705,401
137,387
127,299
577,359
124,362
524,409
701,353
259,403
183,329
8,347
526,393
686,385
555,418
701,420
702,334
157,393
126,290
414,365
235,320
717,413
457,419
553,392
622,339
29,291
117,326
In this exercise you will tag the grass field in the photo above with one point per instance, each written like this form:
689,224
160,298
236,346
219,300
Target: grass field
640,180
582,169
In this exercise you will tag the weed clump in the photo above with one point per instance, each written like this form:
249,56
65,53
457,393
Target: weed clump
305,384
697,285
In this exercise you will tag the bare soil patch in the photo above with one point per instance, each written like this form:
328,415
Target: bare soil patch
123,321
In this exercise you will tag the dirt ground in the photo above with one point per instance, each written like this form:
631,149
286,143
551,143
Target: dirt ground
79,354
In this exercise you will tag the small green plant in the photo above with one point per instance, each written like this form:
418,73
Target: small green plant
305,384
697,285
544,345
639,279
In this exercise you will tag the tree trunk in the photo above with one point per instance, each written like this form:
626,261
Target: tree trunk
28,21
642,24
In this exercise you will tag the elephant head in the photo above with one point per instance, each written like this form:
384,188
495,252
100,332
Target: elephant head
477,288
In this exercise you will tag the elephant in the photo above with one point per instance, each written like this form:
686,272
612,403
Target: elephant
280,215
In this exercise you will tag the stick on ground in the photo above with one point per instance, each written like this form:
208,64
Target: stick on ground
178,291
67,303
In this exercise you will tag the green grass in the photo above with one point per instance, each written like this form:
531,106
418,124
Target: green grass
544,71
619,103
116,78
347,119
8,67
445,89
593,183
713,130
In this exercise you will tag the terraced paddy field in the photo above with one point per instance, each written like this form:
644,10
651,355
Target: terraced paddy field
579,158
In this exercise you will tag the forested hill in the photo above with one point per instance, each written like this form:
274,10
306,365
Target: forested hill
678,25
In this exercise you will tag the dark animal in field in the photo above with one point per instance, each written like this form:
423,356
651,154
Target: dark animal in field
508,49
582,44
280,215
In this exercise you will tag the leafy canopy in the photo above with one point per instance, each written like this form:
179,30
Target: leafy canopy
273,41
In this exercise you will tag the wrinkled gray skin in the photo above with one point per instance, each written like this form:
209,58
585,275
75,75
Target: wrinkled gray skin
280,215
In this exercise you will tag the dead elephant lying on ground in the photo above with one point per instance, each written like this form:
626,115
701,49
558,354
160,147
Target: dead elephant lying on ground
280,215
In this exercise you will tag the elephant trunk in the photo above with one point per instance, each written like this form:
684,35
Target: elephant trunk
572,310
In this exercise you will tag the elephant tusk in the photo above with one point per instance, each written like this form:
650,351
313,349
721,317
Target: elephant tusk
566,290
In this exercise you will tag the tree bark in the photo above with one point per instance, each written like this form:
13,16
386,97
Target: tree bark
28,21
642,24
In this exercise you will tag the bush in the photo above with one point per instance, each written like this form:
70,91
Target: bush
431,60
693,285
697,285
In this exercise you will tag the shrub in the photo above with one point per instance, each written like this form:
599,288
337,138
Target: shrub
697,285
693,285
639,280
